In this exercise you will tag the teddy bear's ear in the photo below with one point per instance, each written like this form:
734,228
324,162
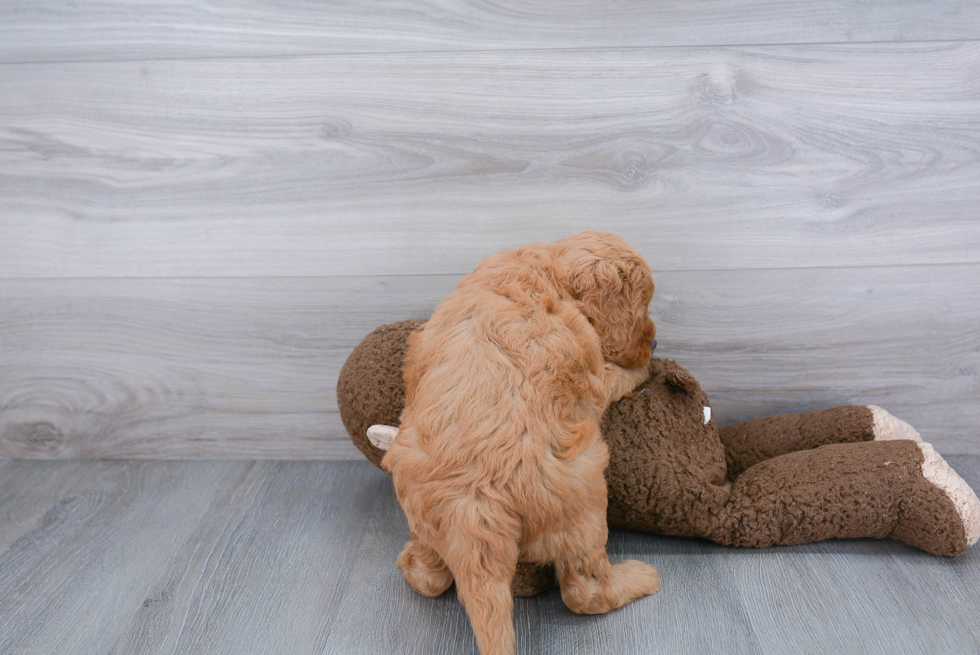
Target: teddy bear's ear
678,377
382,436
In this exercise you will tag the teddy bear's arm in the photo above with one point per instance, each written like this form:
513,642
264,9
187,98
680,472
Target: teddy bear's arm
750,442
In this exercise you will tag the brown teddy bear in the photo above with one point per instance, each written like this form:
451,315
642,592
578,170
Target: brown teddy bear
789,479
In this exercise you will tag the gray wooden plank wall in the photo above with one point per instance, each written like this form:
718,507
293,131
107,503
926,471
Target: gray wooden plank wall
202,211
43,30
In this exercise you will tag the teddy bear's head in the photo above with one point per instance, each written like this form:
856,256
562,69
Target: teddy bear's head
371,390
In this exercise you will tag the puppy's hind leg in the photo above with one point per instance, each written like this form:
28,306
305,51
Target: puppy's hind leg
424,569
589,583
483,561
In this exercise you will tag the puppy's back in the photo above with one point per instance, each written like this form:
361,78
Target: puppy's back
505,369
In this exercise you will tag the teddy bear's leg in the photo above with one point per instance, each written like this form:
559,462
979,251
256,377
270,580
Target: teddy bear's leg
750,442
874,489
424,569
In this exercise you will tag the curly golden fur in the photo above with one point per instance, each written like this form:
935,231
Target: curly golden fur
499,457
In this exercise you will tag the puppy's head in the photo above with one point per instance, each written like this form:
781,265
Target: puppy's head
614,286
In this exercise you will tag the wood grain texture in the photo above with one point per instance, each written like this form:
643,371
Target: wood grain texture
298,557
241,368
855,596
83,567
849,597
51,31
705,158
270,561
951,577
246,368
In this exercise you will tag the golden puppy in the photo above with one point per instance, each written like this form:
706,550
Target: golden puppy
499,457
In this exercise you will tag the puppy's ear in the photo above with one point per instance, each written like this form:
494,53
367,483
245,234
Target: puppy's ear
605,291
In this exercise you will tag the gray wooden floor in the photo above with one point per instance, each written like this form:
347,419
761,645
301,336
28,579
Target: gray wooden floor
299,557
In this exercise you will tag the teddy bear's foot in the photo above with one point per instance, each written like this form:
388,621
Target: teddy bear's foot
918,525
889,428
938,473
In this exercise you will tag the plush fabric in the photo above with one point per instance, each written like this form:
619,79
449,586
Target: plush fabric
370,390
788,479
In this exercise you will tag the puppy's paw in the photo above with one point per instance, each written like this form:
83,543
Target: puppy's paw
638,577
622,381
424,569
